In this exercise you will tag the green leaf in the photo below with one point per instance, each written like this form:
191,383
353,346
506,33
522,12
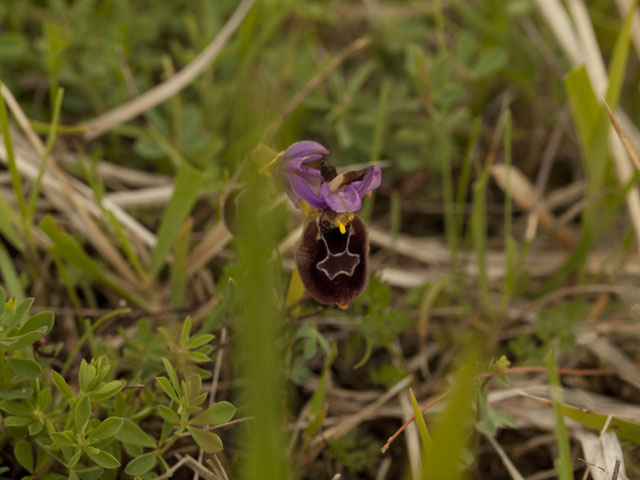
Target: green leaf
132,433
24,455
62,385
61,440
8,225
82,413
173,376
16,408
106,391
9,273
14,421
37,322
102,458
187,187
209,442
218,413
198,357
107,429
168,415
199,341
165,385
86,375
24,367
142,464
184,333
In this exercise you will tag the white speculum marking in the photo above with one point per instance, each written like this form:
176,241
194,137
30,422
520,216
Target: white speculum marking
333,258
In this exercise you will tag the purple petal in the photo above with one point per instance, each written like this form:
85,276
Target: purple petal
304,149
303,190
345,200
369,182
296,165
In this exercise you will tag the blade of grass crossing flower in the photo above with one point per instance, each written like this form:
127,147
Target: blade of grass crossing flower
563,462
179,266
259,317
422,426
187,187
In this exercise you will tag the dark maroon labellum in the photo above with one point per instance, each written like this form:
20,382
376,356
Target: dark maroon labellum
334,266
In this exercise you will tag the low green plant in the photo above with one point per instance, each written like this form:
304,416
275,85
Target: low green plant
89,427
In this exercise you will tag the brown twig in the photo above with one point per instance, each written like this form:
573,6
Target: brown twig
508,371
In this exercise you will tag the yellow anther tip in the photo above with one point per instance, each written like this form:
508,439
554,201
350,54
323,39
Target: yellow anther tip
343,229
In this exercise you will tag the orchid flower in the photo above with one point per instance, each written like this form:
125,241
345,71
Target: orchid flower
333,253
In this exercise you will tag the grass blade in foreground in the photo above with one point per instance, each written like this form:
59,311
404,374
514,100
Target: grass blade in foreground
263,442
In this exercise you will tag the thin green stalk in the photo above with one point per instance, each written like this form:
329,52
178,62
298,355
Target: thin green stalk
563,462
11,160
51,138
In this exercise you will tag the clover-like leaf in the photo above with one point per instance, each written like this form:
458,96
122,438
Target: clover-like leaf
107,429
218,413
106,391
62,385
24,455
142,464
82,413
168,415
132,433
102,458
24,368
165,385
208,441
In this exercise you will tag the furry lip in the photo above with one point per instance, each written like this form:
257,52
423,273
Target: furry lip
332,257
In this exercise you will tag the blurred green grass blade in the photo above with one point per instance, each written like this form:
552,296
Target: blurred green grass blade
51,138
422,426
9,275
259,317
69,249
618,63
127,248
178,277
187,187
381,117
479,235
563,462
465,175
11,160
624,429
451,432
9,225
584,104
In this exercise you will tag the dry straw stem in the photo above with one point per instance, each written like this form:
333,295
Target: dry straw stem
523,193
622,136
353,421
602,454
173,85
29,161
583,39
506,461
65,185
